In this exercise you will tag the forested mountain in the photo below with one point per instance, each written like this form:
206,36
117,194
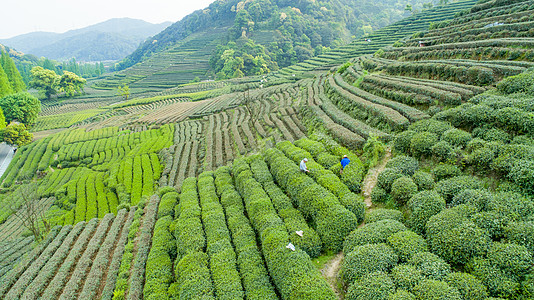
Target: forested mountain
269,34
109,40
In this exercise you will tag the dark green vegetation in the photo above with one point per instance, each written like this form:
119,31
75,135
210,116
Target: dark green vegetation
210,172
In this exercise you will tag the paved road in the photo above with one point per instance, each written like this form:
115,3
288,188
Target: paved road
6,155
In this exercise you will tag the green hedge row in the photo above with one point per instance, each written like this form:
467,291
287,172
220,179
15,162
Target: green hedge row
334,221
292,271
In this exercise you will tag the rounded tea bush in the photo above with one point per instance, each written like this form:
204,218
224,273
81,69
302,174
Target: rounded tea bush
430,265
448,188
469,286
373,286
431,125
436,290
512,258
402,295
387,177
406,164
521,233
372,233
475,198
422,143
444,171
406,244
403,189
422,206
423,180
366,259
442,150
496,280
380,214
406,276
403,141
456,137
379,195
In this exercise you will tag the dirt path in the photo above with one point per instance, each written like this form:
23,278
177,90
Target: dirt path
370,180
331,271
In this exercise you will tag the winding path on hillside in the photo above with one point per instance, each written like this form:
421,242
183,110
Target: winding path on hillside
331,269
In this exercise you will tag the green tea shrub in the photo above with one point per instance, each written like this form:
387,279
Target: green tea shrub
406,244
406,164
499,284
422,206
380,214
422,143
456,137
403,141
366,259
423,180
372,233
403,189
469,286
445,171
406,276
442,150
402,295
436,290
372,286
387,177
448,188
430,265
512,258
167,204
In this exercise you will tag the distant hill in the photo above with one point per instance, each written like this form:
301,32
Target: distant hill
113,39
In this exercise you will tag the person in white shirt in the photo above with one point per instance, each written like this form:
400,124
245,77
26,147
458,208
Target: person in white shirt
303,167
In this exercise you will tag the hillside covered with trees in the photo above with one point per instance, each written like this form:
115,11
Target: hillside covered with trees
198,191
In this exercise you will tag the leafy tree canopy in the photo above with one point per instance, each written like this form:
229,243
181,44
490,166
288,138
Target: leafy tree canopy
21,107
5,86
16,134
45,80
13,75
71,83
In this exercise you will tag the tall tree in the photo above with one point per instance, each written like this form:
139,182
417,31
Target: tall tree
2,119
71,83
45,80
21,107
15,79
5,86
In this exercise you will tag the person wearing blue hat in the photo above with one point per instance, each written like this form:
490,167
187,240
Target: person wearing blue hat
345,161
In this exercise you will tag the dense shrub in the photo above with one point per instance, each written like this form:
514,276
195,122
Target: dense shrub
476,198
512,205
423,180
454,237
469,286
375,285
430,265
379,195
422,143
406,164
522,173
431,125
456,137
403,189
442,150
366,259
498,283
403,141
193,277
445,171
387,177
406,244
422,206
522,83
512,258
436,290
372,233
521,233
167,204
449,187
380,214
406,276
402,295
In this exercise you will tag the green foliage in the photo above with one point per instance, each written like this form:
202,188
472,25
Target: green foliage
167,204
386,179
423,180
21,107
379,195
375,285
479,199
521,233
403,140
406,276
469,286
372,233
442,150
499,284
16,134
431,125
366,259
71,84
45,80
436,290
430,265
403,189
5,85
406,164
13,75
402,295
456,137
511,258
380,214
423,206
522,83
194,280
422,143
447,188
445,171
406,244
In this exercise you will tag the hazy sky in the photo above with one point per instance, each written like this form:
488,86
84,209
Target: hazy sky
23,16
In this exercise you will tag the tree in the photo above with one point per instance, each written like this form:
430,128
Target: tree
45,80
21,107
30,213
408,8
124,91
2,119
71,83
13,74
16,134
5,86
